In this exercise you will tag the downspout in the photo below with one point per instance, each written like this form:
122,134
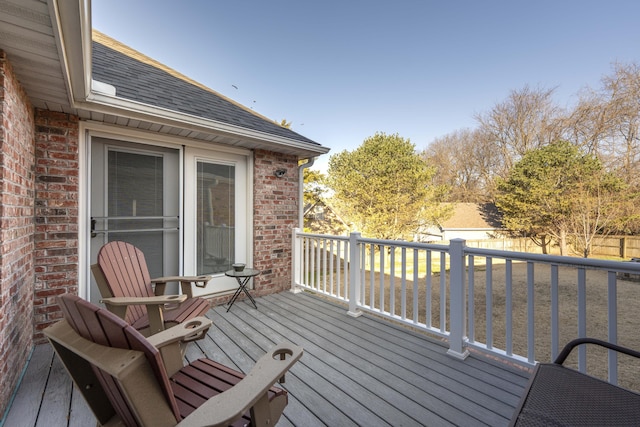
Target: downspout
301,169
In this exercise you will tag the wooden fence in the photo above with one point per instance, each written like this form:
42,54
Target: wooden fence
622,246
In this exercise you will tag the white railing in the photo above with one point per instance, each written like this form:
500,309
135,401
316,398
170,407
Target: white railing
519,306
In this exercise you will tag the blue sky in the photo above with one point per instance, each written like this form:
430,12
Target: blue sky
341,71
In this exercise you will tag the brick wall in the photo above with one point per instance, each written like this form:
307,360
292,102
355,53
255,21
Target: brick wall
17,157
56,214
275,215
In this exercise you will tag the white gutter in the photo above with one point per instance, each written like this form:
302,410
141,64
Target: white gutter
71,22
301,169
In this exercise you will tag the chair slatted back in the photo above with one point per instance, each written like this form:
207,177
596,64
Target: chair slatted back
125,271
105,328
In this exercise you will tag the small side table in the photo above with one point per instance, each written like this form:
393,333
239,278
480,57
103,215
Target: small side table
243,277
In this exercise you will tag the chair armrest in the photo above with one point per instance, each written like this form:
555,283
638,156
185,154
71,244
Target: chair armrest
171,342
184,332
190,279
185,283
580,341
228,406
157,300
155,305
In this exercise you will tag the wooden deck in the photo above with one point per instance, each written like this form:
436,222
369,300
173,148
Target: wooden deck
355,371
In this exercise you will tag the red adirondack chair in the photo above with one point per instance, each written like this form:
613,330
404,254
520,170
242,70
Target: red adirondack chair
128,290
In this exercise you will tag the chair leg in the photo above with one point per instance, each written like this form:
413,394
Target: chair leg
156,319
261,413
278,404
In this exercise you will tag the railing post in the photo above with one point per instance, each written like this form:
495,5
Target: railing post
296,261
458,301
354,275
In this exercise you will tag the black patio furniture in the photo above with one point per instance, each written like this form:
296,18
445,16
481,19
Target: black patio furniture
561,396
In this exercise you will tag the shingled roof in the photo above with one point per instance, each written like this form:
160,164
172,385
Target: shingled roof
473,216
139,78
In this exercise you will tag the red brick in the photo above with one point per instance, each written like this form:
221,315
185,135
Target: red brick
274,219
17,149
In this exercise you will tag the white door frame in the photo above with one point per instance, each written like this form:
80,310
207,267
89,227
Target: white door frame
243,206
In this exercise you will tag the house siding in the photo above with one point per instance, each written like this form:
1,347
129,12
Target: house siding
17,155
56,214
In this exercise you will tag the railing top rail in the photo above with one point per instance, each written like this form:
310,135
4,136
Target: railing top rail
631,267
405,244
623,267
398,243
323,236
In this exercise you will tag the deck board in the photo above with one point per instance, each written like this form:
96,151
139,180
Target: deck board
57,395
80,415
24,409
368,387
389,372
355,371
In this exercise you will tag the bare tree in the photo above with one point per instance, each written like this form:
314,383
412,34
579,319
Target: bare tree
526,120
606,122
623,88
464,164
597,206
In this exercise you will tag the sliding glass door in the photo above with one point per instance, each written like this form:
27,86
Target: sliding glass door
185,208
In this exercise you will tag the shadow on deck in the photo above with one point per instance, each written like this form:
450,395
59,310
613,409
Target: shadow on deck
355,371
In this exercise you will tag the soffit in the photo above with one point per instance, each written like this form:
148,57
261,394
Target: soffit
27,37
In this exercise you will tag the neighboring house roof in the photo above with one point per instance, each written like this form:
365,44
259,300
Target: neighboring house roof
139,78
320,217
473,216
310,207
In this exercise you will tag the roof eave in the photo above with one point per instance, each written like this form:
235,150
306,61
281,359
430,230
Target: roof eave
107,104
